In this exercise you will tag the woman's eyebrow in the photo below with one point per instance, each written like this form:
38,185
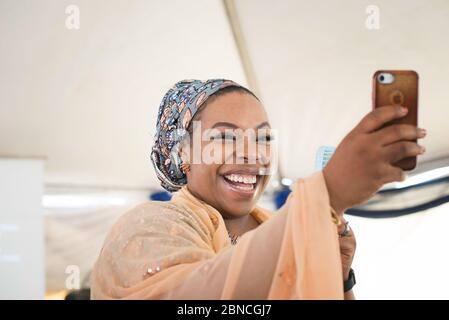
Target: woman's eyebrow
225,124
231,125
263,124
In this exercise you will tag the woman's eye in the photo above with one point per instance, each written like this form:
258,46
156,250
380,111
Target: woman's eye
224,137
264,138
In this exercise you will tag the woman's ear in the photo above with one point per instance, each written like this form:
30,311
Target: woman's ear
185,157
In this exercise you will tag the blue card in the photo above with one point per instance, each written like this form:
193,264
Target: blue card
323,156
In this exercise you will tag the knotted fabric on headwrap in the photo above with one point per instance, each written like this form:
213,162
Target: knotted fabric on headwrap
176,111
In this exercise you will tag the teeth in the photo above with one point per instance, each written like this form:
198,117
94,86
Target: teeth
247,187
247,179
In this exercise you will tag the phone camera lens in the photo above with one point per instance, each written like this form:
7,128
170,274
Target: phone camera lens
385,78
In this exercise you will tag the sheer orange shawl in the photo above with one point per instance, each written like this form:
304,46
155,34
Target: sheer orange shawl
156,247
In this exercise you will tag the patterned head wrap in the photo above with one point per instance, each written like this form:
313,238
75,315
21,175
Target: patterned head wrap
176,110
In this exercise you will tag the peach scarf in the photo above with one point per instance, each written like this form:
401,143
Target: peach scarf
165,250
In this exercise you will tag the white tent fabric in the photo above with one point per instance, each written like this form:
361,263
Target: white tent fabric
92,93
314,60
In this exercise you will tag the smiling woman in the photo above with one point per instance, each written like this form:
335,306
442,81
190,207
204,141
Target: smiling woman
211,241
235,180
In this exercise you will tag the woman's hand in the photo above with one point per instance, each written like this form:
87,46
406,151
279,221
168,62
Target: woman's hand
363,162
347,244
347,248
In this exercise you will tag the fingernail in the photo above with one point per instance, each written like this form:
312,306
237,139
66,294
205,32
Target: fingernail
422,133
422,150
404,110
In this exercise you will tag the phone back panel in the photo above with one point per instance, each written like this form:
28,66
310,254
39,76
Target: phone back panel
403,91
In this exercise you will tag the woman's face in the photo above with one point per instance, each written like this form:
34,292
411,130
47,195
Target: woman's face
229,175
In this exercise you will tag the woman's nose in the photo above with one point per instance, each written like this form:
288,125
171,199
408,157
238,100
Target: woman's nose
253,155
250,159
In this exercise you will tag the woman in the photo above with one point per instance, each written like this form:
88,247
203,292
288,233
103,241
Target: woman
211,241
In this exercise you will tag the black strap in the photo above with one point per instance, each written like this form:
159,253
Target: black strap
348,284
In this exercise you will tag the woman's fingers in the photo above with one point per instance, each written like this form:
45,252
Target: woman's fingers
394,174
398,132
380,116
403,149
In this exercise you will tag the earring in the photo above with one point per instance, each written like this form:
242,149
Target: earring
185,167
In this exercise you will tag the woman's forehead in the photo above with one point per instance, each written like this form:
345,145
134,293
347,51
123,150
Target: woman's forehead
240,109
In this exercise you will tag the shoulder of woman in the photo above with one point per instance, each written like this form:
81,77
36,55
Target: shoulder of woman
150,234
152,209
155,218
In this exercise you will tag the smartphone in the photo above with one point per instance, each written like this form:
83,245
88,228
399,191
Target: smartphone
398,87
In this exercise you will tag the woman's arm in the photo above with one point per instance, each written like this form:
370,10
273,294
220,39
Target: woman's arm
349,295
347,250
293,255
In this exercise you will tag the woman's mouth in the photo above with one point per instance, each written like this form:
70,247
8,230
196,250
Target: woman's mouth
241,183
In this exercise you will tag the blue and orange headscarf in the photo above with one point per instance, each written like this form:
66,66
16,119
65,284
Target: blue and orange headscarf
177,109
